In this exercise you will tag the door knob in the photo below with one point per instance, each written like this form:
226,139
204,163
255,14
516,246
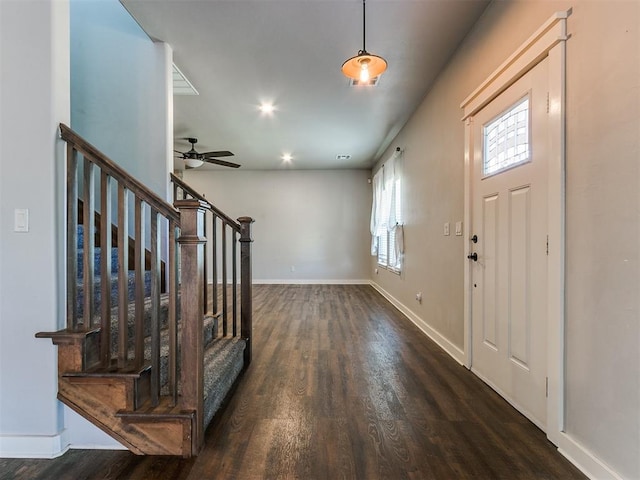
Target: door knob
473,256
474,239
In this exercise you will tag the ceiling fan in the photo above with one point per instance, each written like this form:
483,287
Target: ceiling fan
194,159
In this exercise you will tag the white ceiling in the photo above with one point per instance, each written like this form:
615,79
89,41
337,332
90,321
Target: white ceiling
239,53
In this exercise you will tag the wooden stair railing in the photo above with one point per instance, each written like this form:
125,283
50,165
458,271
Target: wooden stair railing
217,261
118,389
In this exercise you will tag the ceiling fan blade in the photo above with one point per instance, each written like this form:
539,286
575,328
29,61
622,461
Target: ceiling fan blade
221,153
178,151
221,162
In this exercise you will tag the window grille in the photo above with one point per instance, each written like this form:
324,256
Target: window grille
506,139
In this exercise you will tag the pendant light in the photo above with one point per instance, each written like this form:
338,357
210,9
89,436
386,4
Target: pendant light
364,66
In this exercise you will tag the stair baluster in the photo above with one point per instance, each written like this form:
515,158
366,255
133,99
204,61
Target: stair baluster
214,266
123,285
234,283
88,249
246,299
105,265
172,374
155,241
72,238
223,235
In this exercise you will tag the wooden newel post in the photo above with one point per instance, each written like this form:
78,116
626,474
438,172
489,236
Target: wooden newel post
246,308
192,242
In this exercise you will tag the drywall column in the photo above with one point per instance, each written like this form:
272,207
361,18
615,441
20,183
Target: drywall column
164,115
121,91
34,98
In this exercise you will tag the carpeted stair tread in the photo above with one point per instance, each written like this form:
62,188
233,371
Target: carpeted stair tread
131,319
209,335
223,356
223,362
210,329
97,279
80,234
97,288
97,267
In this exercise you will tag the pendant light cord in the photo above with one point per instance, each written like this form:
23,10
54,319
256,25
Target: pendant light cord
364,27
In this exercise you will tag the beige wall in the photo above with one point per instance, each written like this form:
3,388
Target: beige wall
314,221
602,209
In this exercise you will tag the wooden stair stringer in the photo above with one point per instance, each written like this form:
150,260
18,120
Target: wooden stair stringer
102,400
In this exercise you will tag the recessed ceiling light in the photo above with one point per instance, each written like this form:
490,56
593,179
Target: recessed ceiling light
266,108
287,157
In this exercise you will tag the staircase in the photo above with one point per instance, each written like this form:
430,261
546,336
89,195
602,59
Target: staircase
156,333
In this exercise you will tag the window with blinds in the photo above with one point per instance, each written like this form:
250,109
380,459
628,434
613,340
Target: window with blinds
391,202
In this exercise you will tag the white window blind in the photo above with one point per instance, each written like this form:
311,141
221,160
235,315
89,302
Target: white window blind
389,215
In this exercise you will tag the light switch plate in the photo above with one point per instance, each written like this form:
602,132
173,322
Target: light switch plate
458,228
446,228
21,220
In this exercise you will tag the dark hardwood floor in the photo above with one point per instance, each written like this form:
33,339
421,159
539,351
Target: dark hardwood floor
341,386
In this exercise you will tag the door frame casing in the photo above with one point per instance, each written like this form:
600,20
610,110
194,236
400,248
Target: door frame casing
549,41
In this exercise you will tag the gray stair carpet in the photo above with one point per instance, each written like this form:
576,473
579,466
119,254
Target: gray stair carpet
223,356
113,288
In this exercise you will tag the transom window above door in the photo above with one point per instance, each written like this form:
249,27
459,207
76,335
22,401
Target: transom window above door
506,139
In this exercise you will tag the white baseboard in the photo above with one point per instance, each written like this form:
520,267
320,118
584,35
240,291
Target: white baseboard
455,352
584,460
572,450
291,281
97,446
34,446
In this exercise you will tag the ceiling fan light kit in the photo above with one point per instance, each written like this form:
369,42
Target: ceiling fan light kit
195,159
193,162
364,66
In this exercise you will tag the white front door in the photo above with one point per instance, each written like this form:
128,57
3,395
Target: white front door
509,220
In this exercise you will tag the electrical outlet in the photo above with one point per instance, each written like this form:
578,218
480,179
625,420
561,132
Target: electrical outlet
446,229
293,268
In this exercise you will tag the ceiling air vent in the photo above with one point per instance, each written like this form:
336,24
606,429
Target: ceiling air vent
344,156
372,82
182,86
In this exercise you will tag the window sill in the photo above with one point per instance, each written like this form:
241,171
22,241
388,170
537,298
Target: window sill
397,271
